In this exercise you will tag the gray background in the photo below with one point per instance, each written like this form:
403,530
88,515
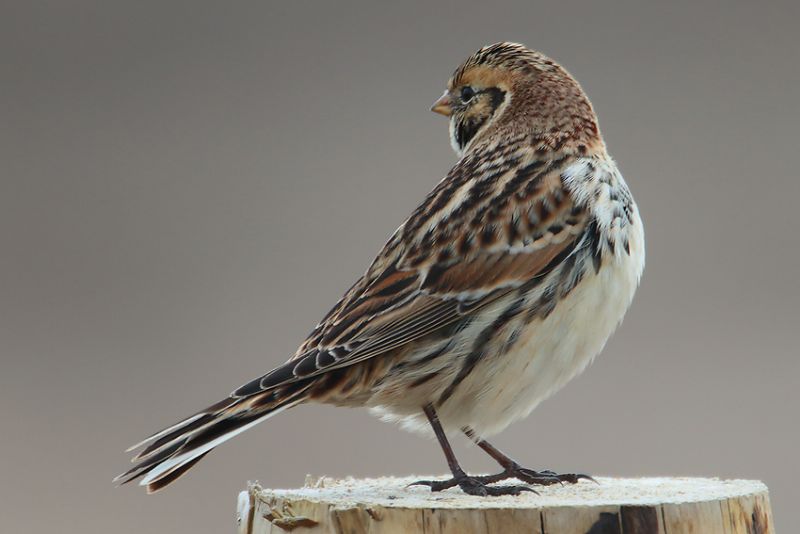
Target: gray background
185,188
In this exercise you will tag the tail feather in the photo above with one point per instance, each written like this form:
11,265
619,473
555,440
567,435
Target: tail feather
177,427
159,434
173,475
173,451
196,425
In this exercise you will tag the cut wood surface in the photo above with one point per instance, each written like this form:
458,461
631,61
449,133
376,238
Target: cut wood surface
613,505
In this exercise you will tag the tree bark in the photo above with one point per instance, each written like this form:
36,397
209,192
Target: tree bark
612,506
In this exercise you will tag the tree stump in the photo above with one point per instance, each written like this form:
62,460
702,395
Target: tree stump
612,505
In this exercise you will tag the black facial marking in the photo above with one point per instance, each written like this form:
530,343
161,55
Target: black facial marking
466,129
466,126
497,96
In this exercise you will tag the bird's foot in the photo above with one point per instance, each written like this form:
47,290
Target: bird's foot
539,478
477,485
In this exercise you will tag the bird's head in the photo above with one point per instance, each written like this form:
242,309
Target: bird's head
508,89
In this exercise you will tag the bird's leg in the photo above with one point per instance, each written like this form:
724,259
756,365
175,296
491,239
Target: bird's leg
468,484
511,469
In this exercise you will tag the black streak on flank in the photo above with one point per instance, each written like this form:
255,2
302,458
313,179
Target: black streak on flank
479,346
432,356
595,244
425,378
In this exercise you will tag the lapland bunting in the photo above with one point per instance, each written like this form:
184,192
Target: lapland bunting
501,286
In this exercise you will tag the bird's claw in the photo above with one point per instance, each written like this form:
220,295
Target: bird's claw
477,485
545,478
436,485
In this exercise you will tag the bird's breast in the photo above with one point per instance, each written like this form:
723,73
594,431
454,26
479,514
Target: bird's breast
538,352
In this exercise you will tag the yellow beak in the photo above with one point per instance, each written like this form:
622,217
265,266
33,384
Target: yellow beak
442,106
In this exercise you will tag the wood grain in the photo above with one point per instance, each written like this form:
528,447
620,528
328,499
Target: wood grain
613,506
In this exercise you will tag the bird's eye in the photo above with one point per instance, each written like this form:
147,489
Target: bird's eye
467,93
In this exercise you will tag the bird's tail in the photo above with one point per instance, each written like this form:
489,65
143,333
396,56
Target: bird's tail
168,454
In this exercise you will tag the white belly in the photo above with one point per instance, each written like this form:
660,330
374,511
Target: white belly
550,351
506,385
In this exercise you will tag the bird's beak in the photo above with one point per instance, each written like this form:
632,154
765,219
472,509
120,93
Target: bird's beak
442,106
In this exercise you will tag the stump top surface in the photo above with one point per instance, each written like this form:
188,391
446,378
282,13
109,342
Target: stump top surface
394,493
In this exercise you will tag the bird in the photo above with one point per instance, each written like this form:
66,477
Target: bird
500,287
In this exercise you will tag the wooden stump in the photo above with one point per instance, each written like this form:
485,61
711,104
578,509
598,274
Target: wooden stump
613,505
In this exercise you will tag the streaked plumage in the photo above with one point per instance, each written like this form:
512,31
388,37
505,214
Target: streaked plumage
501,286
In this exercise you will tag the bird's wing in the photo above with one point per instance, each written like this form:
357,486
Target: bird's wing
491,226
